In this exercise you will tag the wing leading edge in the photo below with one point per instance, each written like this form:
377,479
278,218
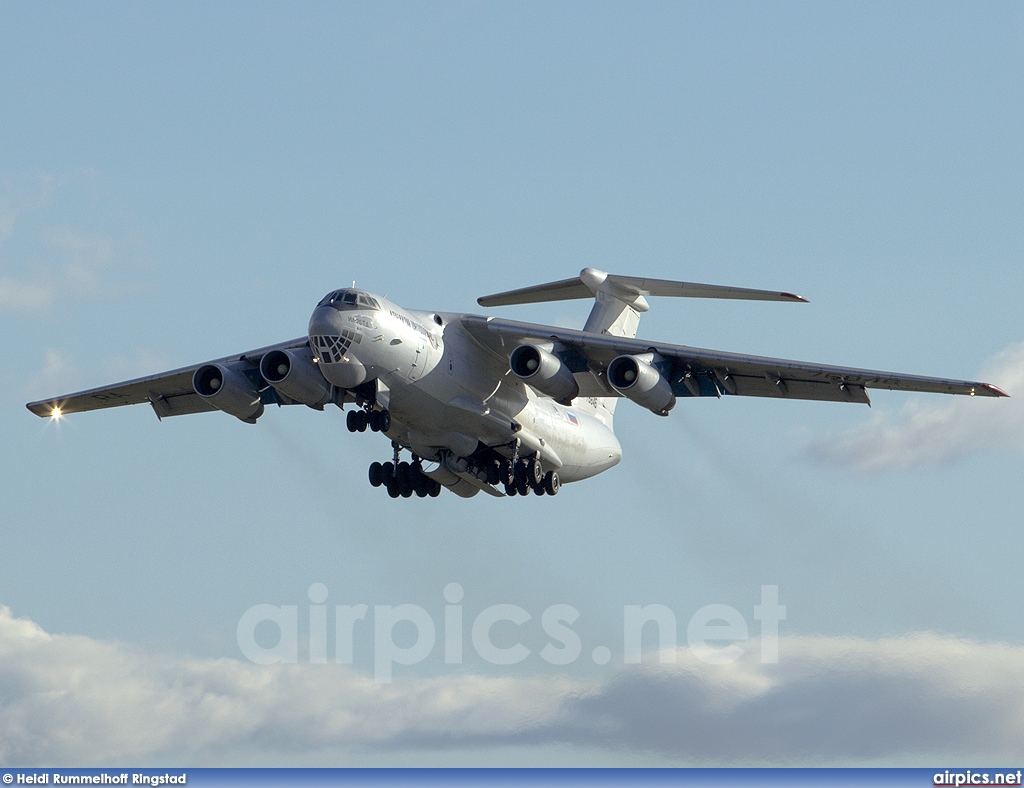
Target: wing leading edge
694,372
170,393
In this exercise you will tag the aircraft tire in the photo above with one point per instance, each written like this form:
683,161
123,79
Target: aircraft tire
403,474
363,421
538,490
384,421
352,421
376,474
535,472
435,488
374,419
552,484
387,472
523,487
393,490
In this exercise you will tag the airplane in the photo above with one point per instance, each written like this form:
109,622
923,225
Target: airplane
489,404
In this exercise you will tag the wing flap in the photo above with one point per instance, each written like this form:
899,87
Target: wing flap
790,388
165,405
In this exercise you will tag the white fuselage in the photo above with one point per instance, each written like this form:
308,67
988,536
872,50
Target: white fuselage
445,392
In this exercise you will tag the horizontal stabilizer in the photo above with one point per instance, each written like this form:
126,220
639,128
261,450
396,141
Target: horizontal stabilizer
590,281
563,290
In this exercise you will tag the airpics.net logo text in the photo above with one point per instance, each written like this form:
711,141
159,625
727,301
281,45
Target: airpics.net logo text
714,633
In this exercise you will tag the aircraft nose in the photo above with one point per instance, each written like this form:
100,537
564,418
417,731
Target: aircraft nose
332,343
325,321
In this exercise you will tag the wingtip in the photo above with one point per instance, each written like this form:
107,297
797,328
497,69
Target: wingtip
795,297
41,409
996,391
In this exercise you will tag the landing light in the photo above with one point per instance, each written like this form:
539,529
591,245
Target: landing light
55,413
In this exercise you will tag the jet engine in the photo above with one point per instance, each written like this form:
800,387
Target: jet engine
228,390
545,372
293,373
634,377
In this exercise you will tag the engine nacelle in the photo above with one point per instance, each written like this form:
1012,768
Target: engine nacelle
228,390
293,373
634,377
545,372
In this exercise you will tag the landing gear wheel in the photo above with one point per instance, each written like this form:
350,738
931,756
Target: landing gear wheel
523,487
539,489
402,475
534,472
435,488
552,484
374,419
362,420
376,474
511,489
393,490
384,421
352,421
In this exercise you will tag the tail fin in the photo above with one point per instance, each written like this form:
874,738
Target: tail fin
619,300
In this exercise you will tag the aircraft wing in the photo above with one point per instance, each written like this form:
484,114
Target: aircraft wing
170,393
697,372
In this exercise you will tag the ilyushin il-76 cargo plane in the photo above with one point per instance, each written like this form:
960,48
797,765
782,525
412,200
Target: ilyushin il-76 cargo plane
486,404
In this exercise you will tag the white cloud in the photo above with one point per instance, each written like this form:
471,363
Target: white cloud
57,376
141,362
937,431
68,699
43,260
22,294
60,375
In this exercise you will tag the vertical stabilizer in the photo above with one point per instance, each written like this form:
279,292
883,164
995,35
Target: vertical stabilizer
616,309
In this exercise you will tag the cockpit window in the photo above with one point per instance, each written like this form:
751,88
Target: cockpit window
349,299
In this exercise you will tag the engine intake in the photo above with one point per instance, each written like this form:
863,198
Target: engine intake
228,390
294,375
635,378
545,372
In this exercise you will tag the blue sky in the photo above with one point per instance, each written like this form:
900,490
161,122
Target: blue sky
183,181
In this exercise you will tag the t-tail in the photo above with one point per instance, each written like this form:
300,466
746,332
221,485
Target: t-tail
620,300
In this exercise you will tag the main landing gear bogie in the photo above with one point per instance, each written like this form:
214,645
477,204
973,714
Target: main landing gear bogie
403,479
522,475
376,420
